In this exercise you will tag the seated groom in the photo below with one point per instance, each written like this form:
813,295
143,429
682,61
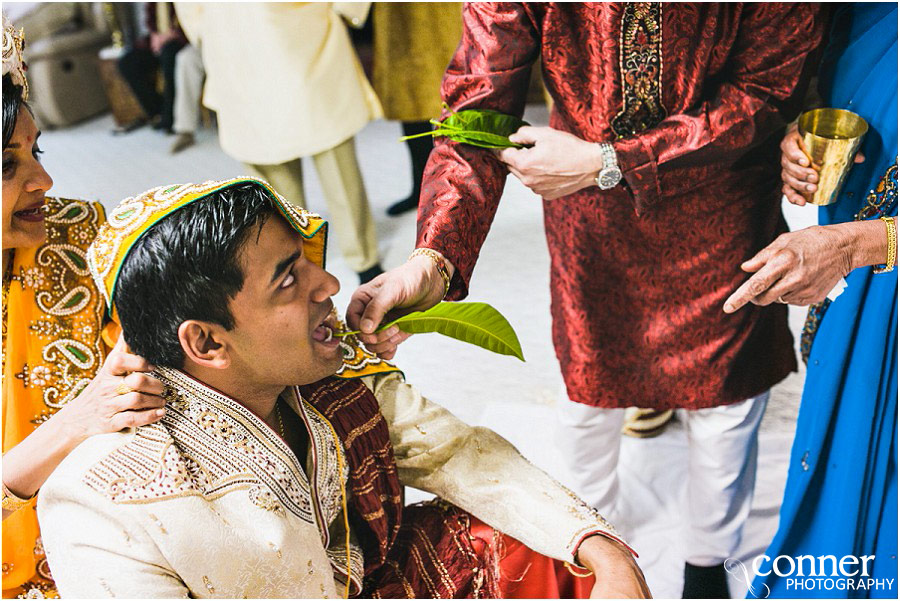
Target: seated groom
278,468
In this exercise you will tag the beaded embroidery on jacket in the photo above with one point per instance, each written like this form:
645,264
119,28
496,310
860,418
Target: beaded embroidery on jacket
207,444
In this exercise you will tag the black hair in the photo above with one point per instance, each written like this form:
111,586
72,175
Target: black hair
12,102
187,266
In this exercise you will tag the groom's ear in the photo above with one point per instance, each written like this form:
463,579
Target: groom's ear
204,343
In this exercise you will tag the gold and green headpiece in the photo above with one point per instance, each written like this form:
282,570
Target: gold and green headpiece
134,216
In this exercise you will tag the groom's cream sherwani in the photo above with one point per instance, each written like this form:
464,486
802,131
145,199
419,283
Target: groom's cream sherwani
210,502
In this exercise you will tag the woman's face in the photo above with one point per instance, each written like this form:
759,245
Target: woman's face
24,185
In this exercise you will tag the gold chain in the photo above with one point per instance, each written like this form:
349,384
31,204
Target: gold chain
280,423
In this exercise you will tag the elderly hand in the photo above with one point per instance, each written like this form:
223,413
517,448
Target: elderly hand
615,570
414,286
556,164
799,267
104,405
799,177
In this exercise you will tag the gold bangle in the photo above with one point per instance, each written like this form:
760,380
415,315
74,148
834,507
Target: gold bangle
12,502
891,246
438,263
572,571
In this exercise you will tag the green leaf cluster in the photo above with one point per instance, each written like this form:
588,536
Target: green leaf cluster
476,127
476,323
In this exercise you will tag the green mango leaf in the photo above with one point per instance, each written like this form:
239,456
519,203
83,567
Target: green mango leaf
485,121
482,139
476,127
476,323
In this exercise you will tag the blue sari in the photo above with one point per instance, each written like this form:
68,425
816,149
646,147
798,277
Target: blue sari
841,494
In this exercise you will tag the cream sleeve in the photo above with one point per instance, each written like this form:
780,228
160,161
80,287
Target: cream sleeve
481,472
190,17
96,552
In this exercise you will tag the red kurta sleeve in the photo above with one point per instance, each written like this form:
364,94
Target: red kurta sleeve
462,184
758,94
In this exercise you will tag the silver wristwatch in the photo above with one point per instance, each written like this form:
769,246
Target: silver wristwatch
610,175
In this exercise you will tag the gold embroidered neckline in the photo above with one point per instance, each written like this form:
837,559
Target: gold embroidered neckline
319,494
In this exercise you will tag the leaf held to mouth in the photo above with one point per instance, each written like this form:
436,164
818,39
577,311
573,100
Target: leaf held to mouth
476,323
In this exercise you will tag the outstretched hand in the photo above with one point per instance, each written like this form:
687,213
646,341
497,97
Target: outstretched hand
799,268
414,286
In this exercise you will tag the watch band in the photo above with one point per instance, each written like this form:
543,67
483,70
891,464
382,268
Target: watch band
610,175
608,152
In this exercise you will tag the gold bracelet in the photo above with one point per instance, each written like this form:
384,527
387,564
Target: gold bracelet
438,262
13,503
572,571
891,246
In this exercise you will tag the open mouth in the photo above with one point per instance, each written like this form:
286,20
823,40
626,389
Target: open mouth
33,213
324,332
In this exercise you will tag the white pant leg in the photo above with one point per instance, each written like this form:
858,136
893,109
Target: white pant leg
189,76
722,443
589,437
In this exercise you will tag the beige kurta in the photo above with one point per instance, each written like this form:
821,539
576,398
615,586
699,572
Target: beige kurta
283,78
211,503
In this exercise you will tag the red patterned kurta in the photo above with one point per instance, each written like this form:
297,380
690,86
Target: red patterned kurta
695,98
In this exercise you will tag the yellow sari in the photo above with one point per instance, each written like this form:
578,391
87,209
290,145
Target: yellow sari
53,344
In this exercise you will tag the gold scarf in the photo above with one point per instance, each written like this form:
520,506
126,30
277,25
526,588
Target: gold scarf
53,344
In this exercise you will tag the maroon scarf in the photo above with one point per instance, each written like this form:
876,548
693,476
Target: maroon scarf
420,551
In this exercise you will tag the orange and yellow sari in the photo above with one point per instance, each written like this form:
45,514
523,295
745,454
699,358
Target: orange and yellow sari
53,343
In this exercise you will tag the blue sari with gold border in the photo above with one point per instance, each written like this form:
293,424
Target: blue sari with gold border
841,494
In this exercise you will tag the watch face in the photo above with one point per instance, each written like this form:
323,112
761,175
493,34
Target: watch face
608,178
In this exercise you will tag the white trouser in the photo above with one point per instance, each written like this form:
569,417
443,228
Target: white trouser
722,450
189,76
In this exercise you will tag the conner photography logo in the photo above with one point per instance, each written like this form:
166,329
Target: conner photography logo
810,573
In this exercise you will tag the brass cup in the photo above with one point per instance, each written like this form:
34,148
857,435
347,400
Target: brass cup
831,138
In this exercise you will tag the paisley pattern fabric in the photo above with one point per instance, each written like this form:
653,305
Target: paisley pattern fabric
53,344
639,273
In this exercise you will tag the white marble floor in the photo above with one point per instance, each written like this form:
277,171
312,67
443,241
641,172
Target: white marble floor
515,399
